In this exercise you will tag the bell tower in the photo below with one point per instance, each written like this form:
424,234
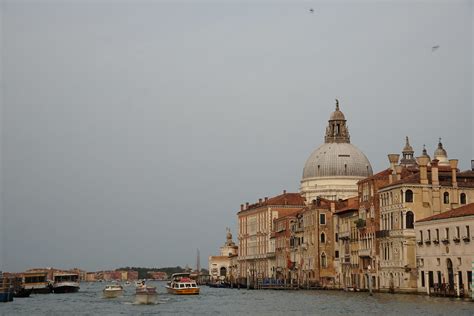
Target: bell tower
337,131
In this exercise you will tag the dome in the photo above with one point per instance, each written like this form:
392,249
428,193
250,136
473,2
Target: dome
336,116
440,151
337,159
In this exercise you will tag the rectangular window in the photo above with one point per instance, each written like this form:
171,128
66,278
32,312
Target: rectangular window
469,277
468,233
457,232
429,234
447,232
422,278
336,254
337,237
421,236
322,219
437,234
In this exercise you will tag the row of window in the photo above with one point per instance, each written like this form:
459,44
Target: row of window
457,234
407,197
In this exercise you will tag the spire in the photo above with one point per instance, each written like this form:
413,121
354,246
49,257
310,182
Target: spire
408,158
337,131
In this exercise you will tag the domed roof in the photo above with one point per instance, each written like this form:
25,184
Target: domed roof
440,151
337,115
337,159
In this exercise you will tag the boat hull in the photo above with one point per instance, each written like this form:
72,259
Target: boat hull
146,298
183,291
6,296
66,289
112,293
22,292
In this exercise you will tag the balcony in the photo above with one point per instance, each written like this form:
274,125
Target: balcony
428,242
466,238
381,233
436,241
445,241
419,242
344,235
365,252
456,239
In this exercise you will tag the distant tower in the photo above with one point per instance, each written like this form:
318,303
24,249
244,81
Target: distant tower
408,159
441,154
198,263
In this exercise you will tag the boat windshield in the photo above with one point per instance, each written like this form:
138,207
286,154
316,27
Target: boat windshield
66,278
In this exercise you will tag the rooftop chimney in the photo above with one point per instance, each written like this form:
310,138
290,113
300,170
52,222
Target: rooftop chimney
472,165
453,163
259,201
393,158
241,207
246,205
266,198
434,172
284,191
398,169
423,163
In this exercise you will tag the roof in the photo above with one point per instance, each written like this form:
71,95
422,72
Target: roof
350,204
337,159
464,179
466,210
285,199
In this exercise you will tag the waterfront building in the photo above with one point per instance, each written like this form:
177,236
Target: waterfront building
222,267
445,251
316,264
334,168
430,190
256,257
282,238
346,257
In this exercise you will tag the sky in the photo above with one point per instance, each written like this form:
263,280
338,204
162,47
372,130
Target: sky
131,132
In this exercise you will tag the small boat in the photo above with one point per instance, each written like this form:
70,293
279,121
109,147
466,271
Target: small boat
6,289
113,290
37,282
182,284
19,288
145,294
66,282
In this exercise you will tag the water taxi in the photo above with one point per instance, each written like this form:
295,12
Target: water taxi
66,282
113,290
182,284
145,294
37,282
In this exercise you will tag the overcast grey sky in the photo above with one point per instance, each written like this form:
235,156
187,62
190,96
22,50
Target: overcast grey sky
133,131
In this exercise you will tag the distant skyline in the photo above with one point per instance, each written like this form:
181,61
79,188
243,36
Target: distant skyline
132,131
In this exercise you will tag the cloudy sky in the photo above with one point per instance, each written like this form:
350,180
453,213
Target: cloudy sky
132,131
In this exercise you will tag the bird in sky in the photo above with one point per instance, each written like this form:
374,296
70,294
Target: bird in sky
434,48
311,10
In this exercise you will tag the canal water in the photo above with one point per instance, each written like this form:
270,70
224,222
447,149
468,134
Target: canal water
89,301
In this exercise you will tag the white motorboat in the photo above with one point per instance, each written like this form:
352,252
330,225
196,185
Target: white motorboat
145,294
113,290
66,282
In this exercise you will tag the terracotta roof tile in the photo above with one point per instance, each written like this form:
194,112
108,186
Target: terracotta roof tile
466,210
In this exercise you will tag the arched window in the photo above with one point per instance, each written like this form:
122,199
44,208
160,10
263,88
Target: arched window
446,198
323,238
324,262
409,196
410,219
463,198
223,271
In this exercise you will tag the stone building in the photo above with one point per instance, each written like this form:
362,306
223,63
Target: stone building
431,190
284,240
334,168
223,267
256,245
445,252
